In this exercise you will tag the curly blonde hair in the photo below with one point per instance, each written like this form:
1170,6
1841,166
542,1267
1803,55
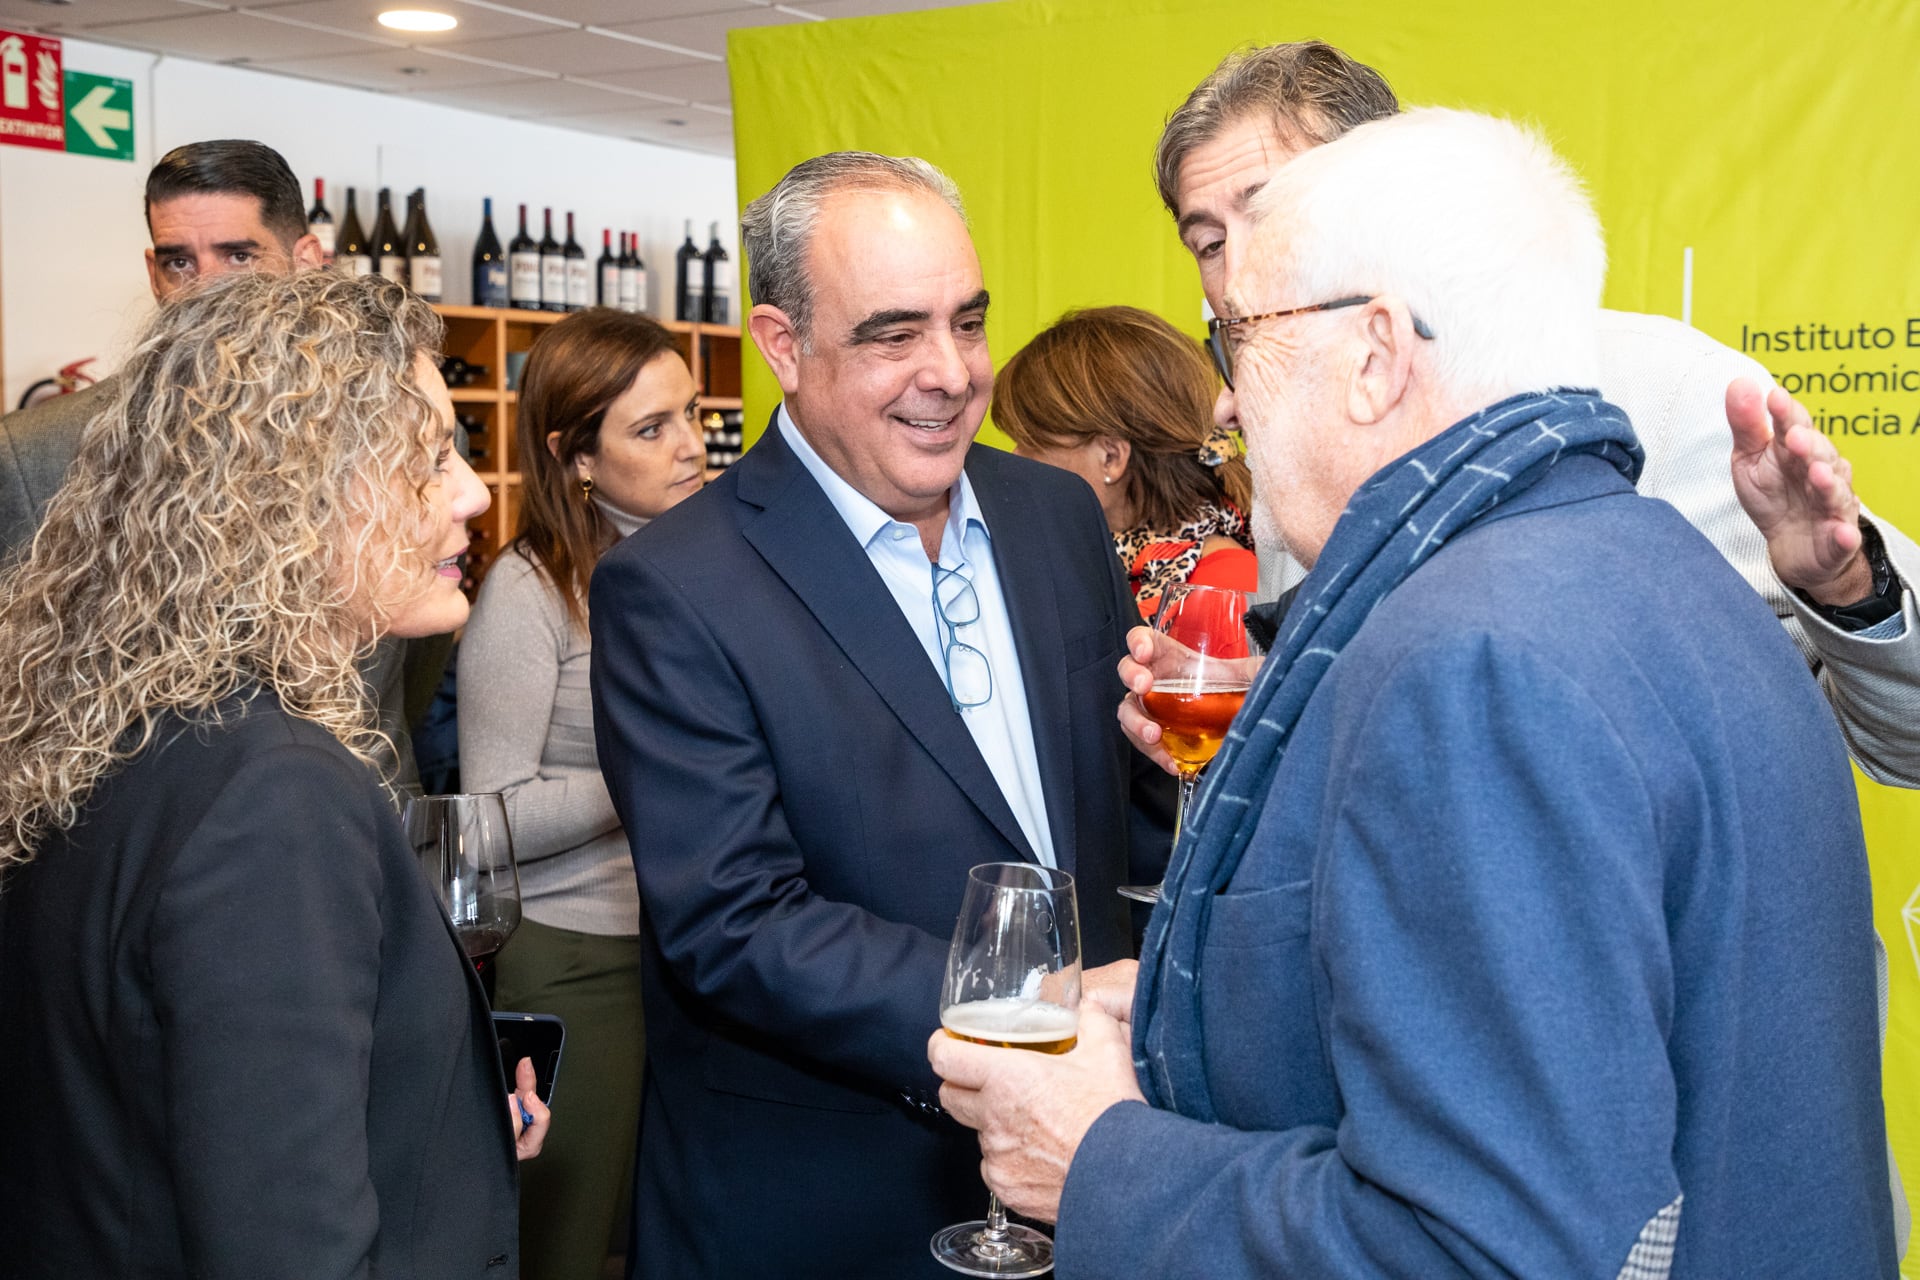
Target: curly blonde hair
264,462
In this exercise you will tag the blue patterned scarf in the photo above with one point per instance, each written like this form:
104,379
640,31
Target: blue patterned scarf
1402,514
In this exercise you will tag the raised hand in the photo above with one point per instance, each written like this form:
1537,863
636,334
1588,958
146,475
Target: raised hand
1798,490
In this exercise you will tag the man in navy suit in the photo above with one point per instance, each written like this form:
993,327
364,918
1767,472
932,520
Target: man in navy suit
1522,926
869,657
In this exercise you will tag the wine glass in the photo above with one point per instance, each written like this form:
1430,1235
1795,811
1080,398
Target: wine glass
464,847
1198,685
1013,982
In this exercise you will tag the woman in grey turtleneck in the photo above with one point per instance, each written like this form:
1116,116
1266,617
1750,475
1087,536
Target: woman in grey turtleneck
608,438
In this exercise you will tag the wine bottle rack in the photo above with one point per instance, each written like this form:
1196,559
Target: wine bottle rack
485,337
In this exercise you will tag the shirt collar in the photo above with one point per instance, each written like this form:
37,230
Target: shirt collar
862,515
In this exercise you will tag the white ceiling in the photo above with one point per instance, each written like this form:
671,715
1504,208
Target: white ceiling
652,70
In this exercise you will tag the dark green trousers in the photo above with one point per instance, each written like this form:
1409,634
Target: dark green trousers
579,1185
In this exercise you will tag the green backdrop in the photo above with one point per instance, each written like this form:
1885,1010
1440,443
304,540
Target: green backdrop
1772,138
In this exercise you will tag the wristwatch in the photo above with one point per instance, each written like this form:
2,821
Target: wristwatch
1882,603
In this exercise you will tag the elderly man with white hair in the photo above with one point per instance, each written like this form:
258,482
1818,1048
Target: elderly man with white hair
1520,929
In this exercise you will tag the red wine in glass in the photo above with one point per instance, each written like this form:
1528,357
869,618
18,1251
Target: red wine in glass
465,849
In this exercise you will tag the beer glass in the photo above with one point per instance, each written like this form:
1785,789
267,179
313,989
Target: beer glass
1013,982
1198,686
464,847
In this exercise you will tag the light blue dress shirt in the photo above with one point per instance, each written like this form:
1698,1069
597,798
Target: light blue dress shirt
1894,628
1000,726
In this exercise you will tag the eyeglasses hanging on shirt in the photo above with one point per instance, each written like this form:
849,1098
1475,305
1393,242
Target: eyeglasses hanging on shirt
968,673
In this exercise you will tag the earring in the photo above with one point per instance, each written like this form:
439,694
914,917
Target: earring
586,488
1108,479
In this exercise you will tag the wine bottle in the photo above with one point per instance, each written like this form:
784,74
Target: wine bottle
628,276
553,270
389,252
320,222
350,249
718,282
423,249
408,226
459,372
489,263
608,268
523,268
639,274
579,271
688,280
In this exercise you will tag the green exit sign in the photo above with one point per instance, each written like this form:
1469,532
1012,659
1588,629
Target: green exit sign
99,116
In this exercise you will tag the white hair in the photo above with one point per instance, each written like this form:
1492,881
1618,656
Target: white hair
1473,221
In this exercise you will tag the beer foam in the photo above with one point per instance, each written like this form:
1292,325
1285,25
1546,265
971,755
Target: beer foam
1011,1019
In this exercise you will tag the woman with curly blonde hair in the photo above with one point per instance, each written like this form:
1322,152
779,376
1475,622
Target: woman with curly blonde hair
240,1037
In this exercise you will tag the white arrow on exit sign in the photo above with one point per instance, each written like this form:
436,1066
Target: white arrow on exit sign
94,115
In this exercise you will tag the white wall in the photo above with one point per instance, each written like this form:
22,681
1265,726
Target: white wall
72,279
72,282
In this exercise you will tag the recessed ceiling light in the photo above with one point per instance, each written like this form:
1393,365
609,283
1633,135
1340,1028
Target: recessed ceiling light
418,20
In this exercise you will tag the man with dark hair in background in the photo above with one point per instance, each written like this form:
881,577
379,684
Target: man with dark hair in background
215,207
212,207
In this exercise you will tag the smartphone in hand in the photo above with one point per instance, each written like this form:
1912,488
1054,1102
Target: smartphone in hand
539,1036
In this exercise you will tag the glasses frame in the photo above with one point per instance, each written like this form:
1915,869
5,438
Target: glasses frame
951,638
1220,327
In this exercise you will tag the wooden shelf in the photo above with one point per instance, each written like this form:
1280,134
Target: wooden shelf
486,336
463,313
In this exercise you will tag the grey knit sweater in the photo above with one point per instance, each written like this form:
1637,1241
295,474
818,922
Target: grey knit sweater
526,730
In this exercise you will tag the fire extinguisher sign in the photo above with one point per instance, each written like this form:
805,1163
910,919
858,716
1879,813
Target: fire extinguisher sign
32,101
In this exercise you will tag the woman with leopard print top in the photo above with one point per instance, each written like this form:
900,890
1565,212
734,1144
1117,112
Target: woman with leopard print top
1124,400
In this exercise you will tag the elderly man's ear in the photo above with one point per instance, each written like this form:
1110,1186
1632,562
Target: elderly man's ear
1384,360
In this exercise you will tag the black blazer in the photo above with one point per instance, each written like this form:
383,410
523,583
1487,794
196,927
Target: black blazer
803,805
240,1039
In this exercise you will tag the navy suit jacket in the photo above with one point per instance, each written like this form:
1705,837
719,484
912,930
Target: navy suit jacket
803,805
